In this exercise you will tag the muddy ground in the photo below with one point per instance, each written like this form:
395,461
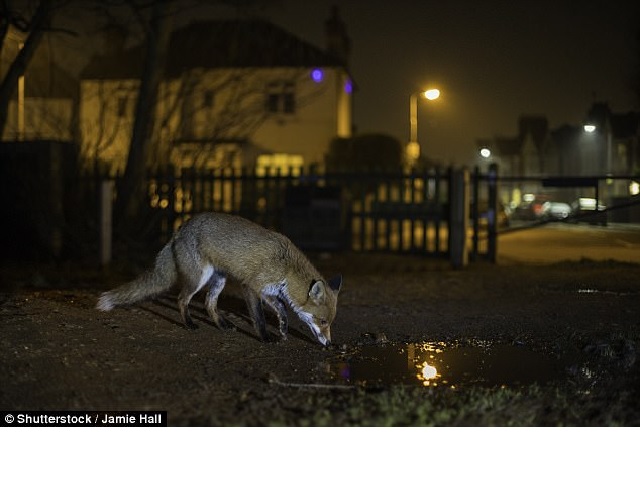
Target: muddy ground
59,353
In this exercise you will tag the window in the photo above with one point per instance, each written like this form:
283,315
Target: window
122,106
281,98
284,163
208,99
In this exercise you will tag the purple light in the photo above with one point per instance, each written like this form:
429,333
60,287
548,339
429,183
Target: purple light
348,87
317,75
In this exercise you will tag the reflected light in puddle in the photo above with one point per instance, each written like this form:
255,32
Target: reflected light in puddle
435,364
427,373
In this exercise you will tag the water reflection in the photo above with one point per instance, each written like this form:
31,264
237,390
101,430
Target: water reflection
433,364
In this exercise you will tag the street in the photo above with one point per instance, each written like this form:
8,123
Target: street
560,241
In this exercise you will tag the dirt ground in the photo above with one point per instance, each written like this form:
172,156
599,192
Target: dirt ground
59,353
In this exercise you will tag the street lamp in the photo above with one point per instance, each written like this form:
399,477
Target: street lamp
413,149
591,128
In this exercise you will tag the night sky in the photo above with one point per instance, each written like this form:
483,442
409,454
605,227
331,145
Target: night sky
493,61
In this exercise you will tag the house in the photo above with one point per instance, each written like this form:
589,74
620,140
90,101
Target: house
527,154
44,107
234,93
609,148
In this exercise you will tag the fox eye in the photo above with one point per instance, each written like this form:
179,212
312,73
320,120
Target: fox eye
324,322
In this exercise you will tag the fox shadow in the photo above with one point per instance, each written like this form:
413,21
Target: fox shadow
233,309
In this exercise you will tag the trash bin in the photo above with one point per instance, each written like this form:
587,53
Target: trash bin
313,217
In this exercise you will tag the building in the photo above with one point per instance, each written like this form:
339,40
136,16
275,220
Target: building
605,145
238,93
44,107
521,157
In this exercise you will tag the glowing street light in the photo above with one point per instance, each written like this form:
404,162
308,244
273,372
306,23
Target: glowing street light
485,152
431,94
413,149
589,128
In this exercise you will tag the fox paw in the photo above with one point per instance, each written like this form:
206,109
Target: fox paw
223,324
226,327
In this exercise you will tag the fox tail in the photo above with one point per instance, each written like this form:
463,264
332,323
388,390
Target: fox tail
151,283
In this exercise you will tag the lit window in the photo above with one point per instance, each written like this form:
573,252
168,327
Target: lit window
282,163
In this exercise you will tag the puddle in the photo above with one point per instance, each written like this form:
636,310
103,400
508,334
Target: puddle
439,364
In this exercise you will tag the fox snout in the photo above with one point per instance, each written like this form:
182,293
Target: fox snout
323,335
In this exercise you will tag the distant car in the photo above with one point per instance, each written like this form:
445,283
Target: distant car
584,210
530,209
556,210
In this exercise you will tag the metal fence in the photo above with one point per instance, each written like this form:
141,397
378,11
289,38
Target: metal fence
359,211
375,211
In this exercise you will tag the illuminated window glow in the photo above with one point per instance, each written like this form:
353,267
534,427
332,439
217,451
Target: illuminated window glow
282,163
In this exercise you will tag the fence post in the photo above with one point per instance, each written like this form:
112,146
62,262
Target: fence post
458,217
475,213
106,221
492,214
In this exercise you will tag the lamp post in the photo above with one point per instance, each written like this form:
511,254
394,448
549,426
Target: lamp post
592,128
413,149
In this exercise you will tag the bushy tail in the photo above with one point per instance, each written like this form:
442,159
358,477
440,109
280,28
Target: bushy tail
153,282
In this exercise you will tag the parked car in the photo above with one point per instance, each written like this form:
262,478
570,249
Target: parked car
556,210
584,210
530,209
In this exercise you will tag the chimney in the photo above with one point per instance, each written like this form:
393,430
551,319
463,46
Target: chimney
338,42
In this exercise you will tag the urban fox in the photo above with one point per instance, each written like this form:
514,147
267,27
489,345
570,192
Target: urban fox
213,246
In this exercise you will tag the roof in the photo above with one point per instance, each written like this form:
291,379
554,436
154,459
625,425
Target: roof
625,125
217,44
509,146
536,126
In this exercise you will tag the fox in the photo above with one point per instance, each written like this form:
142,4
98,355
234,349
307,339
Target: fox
212,247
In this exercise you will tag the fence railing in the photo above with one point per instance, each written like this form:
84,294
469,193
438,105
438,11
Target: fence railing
359,211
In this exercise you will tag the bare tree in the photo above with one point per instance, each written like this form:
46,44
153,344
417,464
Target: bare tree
131,192
222,106
34,29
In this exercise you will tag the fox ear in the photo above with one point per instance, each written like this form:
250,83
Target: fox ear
317,290
335,283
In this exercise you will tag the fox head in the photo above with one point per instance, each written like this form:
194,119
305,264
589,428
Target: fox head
319,311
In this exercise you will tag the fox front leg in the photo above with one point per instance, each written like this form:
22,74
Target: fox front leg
279,307
254,304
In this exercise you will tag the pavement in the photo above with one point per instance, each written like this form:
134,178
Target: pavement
556,242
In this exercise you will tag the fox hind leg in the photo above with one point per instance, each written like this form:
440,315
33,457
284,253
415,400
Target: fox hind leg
215,285
185,296
190,286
